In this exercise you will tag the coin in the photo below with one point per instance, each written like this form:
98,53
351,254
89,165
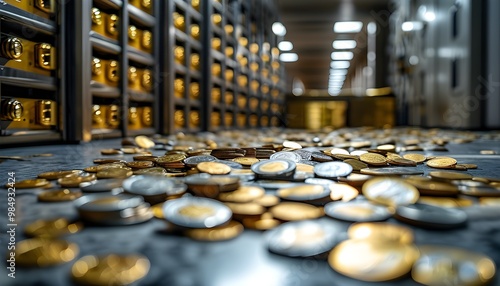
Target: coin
283,155
244,210
107,202
243,194
195,160
157,210
442,162
105,185
391,171
267,201
39,252
62,195
73,181
170,158
291,211
154,189
357,165
218,233
304,192
469,166
332,169
357,211
418,158
29,184
485,191
336,151
382,260
151,171
446,175
373,159
144,142
54,175
107,161
489,201
390,191
443,265
52,228
213,168
114,173
274,168
140,164
355,180
260,223
319,181
429,216
211,186
304,238
195,212
401,162
111,152
111,269
342,192
439,202
434,188
95,169
381,231
246,161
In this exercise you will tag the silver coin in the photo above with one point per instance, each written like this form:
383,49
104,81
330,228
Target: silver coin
303,192
468,183
332,169
392,171
103,185
274,184
357,211
194,160
431,216
483,191
274,167
196,212
304,238
107,202
304,154
151,186
390,191
319,181
233,165
292,156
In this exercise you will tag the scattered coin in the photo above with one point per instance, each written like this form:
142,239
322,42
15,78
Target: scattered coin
52,228
274,168
304,238
342,192
105,185
193,212
39,252
373,159
391,171
283,155
417,158
443,265
429,216
111,152
291,211
54,175
332,169
218,233
382,260
446,175
442,162
303,192
63,195
111,269
144,142
29,184
381,231
390,192
213,168
357,211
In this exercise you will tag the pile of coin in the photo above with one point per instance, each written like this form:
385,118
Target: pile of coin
211,188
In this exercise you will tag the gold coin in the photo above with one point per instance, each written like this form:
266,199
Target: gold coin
267,201
469,166
442,162
381,231
342,192
450,175
140,164
273,166
301,191
382,260
373,159
112,269
442,265
357,165
170,158
390,191
355,180
290,211
433,187
246,161
52,228
144,142
243,194
114,173
57,174
439,202
107,161
158,211
489,201
218,233
246,209
336,151
417,158
95,169
261,223
38,252
196,211
111,152
151,171
401,162
392,156
71,182
304,168
29,183
213,168
58,195
386,147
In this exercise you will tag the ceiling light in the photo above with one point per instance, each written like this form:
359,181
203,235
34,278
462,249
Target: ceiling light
411,26
344,44
289,57
340,64
278,29
343,56
285,46
348,27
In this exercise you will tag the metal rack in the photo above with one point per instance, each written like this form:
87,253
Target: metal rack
116,90
32,78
